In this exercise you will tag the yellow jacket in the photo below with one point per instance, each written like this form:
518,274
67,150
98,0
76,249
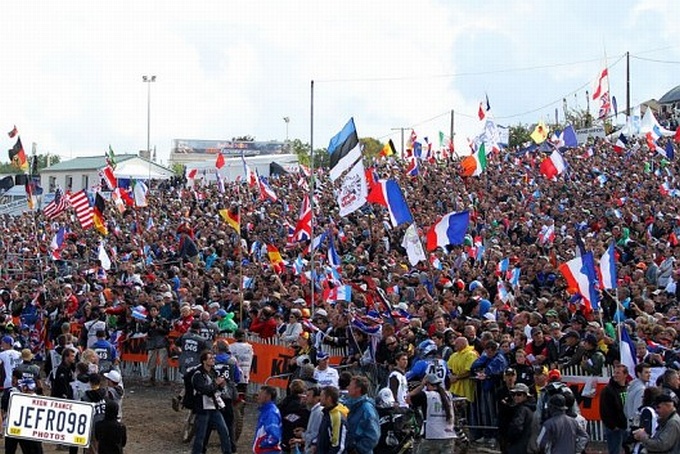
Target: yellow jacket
459,363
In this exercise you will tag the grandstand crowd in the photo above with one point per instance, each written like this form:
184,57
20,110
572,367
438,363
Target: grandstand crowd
472,342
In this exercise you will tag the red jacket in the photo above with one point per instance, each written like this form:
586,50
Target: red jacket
264,328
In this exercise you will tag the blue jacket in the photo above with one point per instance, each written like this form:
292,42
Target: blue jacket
493,368
363,425
268,431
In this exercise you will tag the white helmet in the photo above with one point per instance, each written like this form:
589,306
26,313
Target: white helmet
384,399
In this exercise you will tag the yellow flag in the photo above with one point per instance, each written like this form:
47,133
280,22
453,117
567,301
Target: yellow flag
540,133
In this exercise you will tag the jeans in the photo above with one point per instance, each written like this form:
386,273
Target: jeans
228,416
614,440
210,418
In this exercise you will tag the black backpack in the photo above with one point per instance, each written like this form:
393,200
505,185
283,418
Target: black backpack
189,399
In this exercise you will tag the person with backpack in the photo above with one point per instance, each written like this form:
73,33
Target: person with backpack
191,344
207,388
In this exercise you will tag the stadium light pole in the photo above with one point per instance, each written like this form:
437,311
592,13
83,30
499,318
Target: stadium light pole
148,80
287,120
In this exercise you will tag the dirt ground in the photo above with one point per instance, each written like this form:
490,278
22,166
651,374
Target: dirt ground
154,428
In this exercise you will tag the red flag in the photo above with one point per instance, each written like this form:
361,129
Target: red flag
13,132
481,113
219,163
676,137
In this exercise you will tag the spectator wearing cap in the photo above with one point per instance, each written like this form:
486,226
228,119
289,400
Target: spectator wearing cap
666,438
561,433
518,431
29,369
541,350
505,405
488,370
612,411
593,360
323,373
437,410
570,350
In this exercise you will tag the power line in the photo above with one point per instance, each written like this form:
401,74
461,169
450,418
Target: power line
654,60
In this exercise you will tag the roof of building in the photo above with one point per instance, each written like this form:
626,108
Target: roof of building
86,163
673,95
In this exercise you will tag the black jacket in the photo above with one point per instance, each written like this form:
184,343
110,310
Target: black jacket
519,429
611,406
206,390
61,384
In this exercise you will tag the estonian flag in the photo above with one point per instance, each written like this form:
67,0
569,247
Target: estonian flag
344,150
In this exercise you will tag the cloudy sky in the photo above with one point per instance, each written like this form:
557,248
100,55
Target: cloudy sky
72,71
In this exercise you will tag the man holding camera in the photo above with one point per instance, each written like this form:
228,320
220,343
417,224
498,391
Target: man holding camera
263,324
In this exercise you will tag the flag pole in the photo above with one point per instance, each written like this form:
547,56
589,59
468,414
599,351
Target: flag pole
240,254
311,191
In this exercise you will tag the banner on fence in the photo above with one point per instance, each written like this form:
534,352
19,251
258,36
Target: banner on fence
269,359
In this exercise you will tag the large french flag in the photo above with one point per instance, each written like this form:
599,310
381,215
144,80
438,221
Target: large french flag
450,229
580,275
553,165
608,268
388,194
628,356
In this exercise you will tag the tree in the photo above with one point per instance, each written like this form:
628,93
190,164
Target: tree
371,147
8,168
519,134
178,168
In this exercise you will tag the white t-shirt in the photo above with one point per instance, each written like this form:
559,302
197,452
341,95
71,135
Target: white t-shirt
243,352
436,425
10,359
327,377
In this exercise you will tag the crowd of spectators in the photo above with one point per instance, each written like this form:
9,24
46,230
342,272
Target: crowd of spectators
177,261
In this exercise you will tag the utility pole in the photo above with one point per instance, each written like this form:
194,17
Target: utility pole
627,85
451,129
402,138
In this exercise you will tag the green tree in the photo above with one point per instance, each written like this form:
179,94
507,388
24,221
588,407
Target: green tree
178,168
8,168
519,135
371,147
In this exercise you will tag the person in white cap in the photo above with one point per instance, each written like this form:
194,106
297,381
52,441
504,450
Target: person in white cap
437,403
115,390
9,358
323,373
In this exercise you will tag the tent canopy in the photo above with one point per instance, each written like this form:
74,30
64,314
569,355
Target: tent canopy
141,171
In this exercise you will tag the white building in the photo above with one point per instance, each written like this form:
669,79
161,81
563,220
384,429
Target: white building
83,173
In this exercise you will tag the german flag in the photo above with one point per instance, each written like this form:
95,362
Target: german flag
231,216
17,156
98,218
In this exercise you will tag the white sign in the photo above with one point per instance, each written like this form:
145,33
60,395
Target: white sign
353,192
47,419
583,134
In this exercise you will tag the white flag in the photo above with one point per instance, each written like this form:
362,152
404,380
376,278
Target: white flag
104,257
354,190
140,191
413,246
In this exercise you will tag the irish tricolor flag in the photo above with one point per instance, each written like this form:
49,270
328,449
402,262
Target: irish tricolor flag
474,164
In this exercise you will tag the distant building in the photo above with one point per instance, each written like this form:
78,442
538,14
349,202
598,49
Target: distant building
83,173
191,151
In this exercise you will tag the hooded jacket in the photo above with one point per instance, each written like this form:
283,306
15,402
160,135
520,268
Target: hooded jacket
363,425
611,406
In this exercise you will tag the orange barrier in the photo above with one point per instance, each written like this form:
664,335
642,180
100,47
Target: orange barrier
268,360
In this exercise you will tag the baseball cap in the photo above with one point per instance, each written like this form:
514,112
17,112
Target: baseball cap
221,313
520,388
113,375
510,371
554,375
592,340
573,334
551,313
536,330
321,355
9,340
666,396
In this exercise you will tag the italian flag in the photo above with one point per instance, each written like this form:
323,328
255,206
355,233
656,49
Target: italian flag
474,164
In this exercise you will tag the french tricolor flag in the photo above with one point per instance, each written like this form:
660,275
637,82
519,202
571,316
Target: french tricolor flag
580,276
628,356
341,293
553,165
57,242
450,229
608,268
388,194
